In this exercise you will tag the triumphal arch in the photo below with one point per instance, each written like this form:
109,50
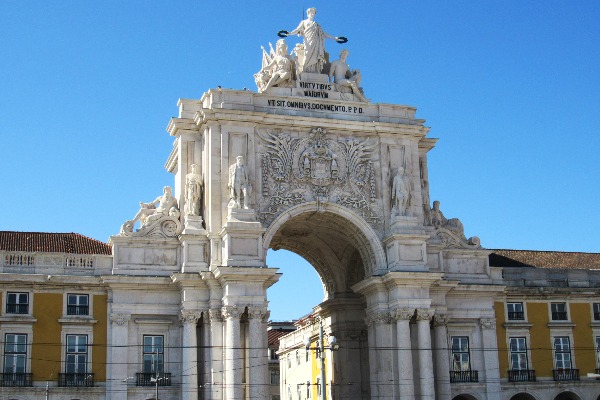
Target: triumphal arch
310,164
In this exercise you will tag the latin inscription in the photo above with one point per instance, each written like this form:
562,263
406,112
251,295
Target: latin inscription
307,105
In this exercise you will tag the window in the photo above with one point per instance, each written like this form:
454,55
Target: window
562,352
319,387
559,311
297,357
17,303
153,354
518,353
289,392
299,391
273,354
461,360
598,353
274,377
515,311
78,304
289,360
596,311
15,353
307,355
308,389
77,354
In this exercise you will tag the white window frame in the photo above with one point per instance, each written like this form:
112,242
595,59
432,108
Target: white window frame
567,311
17,329
5,353
597,346
468,352
90,305
154,328
524,351
5,302
68,330
595,311
522,303
76,353
555,352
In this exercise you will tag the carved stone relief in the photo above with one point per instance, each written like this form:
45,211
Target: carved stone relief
318,168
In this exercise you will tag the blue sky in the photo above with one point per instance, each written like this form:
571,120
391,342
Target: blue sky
510,88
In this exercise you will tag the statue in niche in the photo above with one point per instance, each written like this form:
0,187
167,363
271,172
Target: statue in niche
345,78
277,68
193,191
400,193
315,57
238,184
439,221
149,212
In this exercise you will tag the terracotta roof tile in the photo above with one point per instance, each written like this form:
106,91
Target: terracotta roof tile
70,243
273,335
544,259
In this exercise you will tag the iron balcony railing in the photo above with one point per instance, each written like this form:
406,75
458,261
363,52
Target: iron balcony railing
78,310
17,308
73,379
521,375
149,379
565,374
20,379
464,376
559,316
516,315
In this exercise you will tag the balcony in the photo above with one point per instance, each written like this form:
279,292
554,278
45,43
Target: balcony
521,375
17,308
565,374
78,310
516,316
149,379
75,380
464,376
16,379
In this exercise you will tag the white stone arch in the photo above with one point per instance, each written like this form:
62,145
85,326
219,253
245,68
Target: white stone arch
466,395
521,393
359,233
567,393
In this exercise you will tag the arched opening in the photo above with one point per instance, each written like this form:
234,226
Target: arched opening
522,396
343,250
567,396
464,397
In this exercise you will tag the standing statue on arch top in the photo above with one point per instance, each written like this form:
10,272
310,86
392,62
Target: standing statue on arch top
239,185
314,57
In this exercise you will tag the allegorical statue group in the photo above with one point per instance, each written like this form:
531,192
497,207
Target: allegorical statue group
280,69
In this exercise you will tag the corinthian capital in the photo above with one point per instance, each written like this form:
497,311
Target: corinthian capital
488,323
376,318
120,319
257,312
232,312
401,314
440,320
424,314
215,315
189,316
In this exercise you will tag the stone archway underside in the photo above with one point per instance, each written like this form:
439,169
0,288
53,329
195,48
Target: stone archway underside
330,244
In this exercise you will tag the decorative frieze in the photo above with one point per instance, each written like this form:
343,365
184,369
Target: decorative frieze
488,323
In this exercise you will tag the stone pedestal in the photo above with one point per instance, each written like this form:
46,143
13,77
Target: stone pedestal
406,252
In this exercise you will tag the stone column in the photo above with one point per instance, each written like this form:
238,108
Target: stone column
189,355
425,356
442,359
216,343
406,388
257,353
233,352
205,354
382,367
489,343
118,368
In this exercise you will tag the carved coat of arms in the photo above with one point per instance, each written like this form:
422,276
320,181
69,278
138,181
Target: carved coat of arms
316,167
